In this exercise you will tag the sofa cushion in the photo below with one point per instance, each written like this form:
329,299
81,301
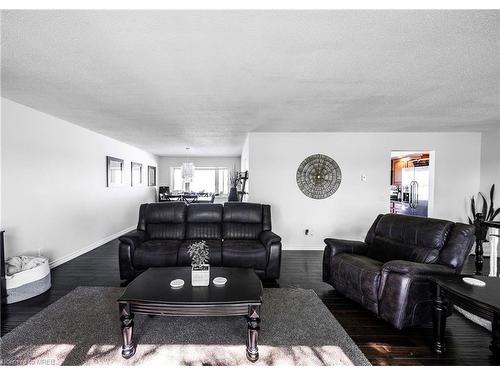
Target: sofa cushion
411,238
458,246
156,253
244,254
166,212
358,277
170,231
243,212
215,252
242,221
386,250
165,221
204,221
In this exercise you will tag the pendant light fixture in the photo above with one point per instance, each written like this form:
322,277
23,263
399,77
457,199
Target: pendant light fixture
187,172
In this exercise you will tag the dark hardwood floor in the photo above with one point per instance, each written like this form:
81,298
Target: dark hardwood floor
381,343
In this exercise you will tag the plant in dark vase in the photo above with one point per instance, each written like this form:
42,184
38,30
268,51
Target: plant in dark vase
200,268
487,213
234,180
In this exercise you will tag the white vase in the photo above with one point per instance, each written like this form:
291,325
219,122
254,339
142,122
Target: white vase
200,275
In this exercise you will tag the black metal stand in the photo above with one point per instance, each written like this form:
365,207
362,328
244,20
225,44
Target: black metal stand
243,178
479,258
481,232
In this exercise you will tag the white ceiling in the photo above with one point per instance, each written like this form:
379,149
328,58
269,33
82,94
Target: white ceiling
164,80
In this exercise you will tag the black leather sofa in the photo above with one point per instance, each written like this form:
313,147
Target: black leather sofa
390,272
237,234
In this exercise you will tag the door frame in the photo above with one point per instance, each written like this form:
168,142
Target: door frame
432,173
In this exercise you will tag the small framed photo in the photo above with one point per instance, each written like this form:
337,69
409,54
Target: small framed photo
151,176
114,171
136,174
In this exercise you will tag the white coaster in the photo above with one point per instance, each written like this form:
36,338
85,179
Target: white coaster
219,281
475,282
177,283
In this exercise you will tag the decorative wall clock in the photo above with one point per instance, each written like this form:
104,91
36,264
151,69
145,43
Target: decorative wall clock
318,176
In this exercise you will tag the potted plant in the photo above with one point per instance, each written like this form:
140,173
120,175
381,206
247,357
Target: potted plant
487,213
200,269
234,180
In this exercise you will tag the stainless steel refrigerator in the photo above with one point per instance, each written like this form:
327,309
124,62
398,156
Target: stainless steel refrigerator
415,181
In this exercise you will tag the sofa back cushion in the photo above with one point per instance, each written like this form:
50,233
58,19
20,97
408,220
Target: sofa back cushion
164,221
204,221
458,246
243,221
411,238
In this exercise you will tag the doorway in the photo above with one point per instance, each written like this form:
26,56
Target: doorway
412,175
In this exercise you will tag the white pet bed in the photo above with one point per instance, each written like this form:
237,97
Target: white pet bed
28,283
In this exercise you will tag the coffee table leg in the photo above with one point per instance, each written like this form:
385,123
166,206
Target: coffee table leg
495,330
127,319
439,321
253,327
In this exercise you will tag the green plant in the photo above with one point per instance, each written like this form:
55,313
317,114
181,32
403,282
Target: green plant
199,253
488,212
234,177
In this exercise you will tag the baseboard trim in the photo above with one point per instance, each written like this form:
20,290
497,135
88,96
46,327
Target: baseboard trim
86,249
302,247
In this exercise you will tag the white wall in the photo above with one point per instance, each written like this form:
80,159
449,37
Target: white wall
245,164
490,164
274,158
54,194
490,170
166,162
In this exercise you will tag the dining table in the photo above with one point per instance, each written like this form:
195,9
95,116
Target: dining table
188,197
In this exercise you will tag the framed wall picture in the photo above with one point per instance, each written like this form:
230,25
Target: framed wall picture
136,174
151,176
114,171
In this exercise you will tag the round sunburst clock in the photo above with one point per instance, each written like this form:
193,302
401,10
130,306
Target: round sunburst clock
318,176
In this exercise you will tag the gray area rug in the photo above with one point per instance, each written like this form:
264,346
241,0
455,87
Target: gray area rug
83,328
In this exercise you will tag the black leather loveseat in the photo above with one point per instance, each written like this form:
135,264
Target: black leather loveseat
390,272
237,234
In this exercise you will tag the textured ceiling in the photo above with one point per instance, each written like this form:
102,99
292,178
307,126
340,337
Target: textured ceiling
164,80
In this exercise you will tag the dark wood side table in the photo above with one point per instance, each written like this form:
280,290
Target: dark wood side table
481,301
3,289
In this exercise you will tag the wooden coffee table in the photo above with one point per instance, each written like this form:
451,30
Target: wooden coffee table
150,293
481,301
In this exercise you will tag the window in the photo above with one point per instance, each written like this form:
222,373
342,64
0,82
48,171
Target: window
177,180
204,180
209,180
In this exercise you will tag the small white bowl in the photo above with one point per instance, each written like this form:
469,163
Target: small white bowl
472,281
220,281
177,283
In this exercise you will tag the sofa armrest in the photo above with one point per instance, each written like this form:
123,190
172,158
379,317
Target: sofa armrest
272,243
416,269
405,293
269,238
128,243
337,246
334,247
134,238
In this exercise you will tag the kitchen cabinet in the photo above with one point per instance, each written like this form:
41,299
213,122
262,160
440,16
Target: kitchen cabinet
397,170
